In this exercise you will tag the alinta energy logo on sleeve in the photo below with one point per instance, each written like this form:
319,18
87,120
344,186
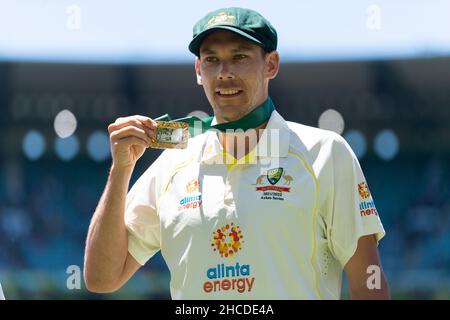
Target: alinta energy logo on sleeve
194,198
273,191
366,204
227,242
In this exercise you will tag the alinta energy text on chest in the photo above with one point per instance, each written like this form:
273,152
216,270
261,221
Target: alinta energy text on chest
190,202
232,277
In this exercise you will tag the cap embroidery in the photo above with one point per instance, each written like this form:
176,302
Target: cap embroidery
221,18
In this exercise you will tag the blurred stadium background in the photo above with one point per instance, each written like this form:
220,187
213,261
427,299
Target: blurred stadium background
377,72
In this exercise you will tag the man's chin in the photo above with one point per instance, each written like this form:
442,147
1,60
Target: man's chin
227,111
227,118
231,111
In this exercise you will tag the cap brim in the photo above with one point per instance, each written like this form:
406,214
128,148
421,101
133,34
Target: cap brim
194,45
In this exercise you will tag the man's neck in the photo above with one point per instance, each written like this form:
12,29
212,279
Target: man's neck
239,144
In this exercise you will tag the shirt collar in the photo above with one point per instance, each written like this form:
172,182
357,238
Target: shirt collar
273,143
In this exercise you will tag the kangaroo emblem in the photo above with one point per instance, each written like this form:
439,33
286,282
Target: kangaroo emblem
259,180
287,180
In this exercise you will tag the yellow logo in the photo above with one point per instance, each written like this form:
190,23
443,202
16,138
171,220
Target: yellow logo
221,18
192,186
363,190
227,240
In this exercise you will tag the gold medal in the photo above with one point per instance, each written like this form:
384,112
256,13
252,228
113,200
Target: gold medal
170,135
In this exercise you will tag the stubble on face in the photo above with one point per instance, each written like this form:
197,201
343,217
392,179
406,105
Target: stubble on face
232,72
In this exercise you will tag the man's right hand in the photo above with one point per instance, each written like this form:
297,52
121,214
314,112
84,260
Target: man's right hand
129,137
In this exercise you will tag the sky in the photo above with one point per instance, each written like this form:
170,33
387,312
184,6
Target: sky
137,31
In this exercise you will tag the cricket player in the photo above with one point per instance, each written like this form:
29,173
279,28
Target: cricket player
256,207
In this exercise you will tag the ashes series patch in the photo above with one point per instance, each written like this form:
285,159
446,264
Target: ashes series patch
170,135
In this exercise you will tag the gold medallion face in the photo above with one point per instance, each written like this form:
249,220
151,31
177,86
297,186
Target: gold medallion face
170,135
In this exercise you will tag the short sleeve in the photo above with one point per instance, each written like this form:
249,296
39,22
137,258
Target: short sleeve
141,216
353,211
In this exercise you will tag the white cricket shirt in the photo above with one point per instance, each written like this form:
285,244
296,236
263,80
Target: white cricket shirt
280,227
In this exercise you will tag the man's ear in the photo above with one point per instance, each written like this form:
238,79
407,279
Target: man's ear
272,64
197,71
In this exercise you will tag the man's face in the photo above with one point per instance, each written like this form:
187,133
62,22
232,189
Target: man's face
234,73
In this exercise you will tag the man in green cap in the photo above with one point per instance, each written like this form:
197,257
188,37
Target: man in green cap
255,207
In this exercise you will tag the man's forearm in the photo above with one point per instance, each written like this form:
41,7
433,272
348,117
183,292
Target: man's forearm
107,243
364,293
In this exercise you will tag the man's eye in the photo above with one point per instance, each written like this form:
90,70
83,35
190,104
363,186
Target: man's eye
240,56
211,59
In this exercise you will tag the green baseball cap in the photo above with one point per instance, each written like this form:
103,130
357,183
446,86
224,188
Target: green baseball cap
244,22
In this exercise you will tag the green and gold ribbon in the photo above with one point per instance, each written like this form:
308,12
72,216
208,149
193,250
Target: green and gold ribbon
255,118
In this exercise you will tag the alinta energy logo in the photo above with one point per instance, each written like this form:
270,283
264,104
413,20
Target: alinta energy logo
227,241
191,201
363,190
273,191
366,204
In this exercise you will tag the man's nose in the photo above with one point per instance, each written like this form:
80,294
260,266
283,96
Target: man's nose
225,72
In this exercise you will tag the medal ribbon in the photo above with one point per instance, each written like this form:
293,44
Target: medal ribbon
255,118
